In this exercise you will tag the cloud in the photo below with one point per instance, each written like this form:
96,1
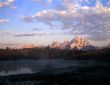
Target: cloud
6,3
16,34
50,1
37,29
43,2
4,21
5,44
27,18
26,34
91,21
32,34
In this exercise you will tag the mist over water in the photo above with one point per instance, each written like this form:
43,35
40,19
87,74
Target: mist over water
17,71
48,66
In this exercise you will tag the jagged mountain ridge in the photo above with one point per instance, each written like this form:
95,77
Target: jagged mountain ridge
75,43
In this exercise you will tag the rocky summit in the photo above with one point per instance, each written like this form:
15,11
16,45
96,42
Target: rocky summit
76,43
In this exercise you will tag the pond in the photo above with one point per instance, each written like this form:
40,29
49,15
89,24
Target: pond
49,65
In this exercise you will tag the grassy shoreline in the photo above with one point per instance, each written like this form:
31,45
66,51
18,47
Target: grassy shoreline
86,75
48,53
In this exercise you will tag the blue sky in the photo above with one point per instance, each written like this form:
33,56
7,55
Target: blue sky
40,22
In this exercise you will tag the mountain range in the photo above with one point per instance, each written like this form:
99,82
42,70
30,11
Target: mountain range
76,43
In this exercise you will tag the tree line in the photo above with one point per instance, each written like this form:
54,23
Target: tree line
37,53
49,53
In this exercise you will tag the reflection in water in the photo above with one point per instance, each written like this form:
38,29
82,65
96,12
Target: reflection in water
14,72
33,66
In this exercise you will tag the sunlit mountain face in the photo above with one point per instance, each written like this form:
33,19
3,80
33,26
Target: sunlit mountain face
76,44
40,22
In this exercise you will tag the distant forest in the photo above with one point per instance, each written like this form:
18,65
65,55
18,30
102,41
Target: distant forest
52,53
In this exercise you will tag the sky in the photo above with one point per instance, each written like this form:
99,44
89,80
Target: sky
40,22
